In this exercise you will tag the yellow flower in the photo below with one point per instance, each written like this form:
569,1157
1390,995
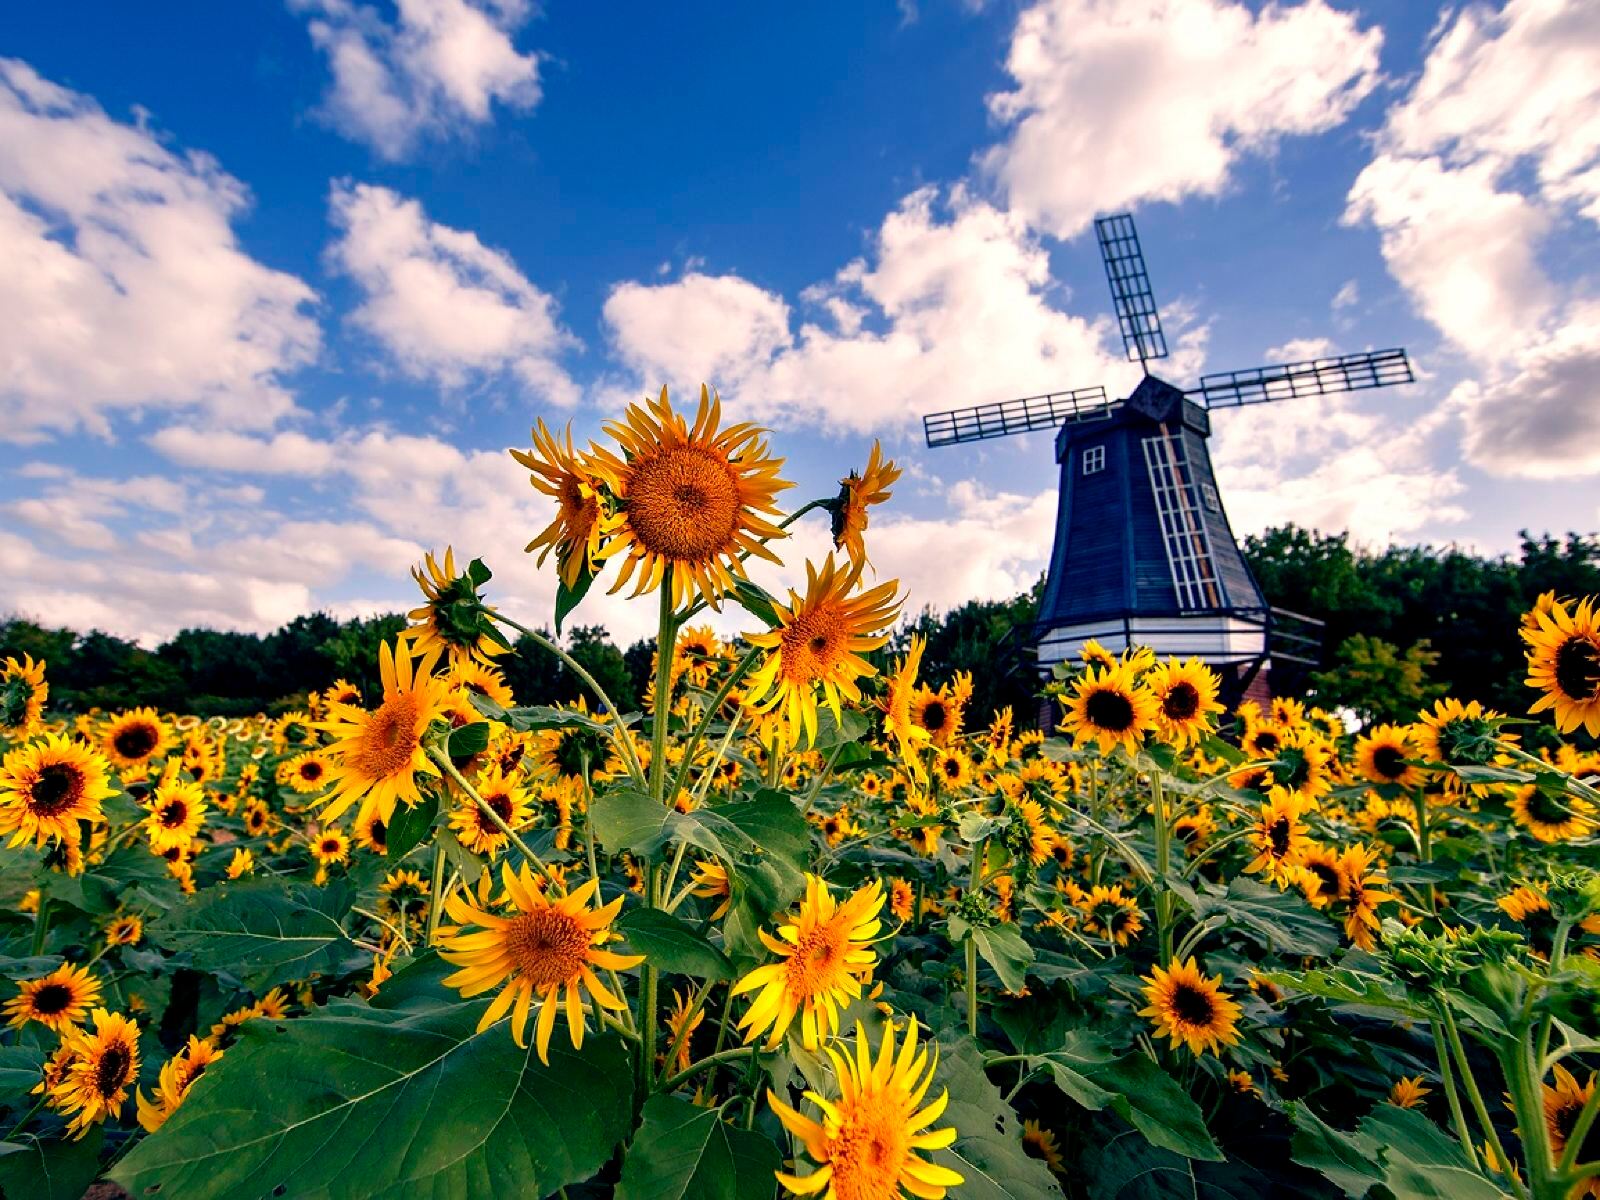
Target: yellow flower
1564,663
1040,1143
711,883
59,1001
1549,819
104,1064
1562,1106
177,1077
857,493
1110,914
243,862
690,499
1186,697
682,1021
1191,1008
1381,756
125,930
47,787
825,953
306,773
898,720
581,522
1408,1093
867,1141
819,643
1279,837
23,691
1108,706
177,810
545,948
508,801
453,621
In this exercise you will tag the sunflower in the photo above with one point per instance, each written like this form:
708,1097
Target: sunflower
306,773
1040,1143
953,769
1109,914
1408,1092
996,740
825,955
1562,1106
1458,734
47,787
242,863
1195,829
546,946
1190,1008
866,1143
1186,697
819,643
1109,707
377,756
1548,819
330,846
689,498
566,476
403,894
59,1001
257,817
942,712
902,900
1279,838
473,677
569,752
23,691
177,1077
508,801
1320,877
857,493
104,1064
1035,825
1261,738
710,882
1564,664
1096,656
1302,764
454,621
1381,756
176,811
342,691
1360,893
899,721
682,1021
126,929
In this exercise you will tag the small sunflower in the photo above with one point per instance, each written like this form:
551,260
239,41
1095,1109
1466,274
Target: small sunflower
1360,893
867,1141
306,773
1408,1092
581,523
899,721
1186,699
819,644
472,676
1110,914
177,810
505,798
330,846
1564,664
242,863
104,1064
1279,838
1563,1104
857,493
177,1077
59,1001
454,621
1109,706
126,929
825,953
710,882
682,1021
953,769
1382,755
23,691
545,947
690,499
1039,1142
1190,1008
47,787
941,712
342,691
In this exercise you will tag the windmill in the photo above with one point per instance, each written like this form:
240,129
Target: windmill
1143,551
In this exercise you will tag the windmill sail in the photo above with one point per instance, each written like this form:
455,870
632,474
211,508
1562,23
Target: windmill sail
1015,416
1130,288
1314,377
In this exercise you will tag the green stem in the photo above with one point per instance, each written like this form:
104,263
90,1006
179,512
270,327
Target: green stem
1558,953
822,778
41,922
650,976
1164,897
32,1112
460,780
1447,1076
435,892
972,986
1580,1131
1480,1109
710,1060
688,1021
695,738
1525,1099
1425,845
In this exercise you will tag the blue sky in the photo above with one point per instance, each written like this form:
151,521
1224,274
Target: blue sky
289,278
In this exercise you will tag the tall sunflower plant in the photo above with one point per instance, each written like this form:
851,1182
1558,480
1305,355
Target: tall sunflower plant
809,923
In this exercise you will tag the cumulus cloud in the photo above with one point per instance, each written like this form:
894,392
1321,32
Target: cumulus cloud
447,308
438,68
1121,101
1299,350
1493,152
125,286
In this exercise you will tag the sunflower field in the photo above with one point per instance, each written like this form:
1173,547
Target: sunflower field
799,927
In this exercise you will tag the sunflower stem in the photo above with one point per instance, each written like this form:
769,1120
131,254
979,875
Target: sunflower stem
41,921
1447,1077
1425,845
1164,897
449,767
650,977
1517,1064
1480,1109
436,890
709,1061
972,986
822,778
1558,953
695,738
695,1005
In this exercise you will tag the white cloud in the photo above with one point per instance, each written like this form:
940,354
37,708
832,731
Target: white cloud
1118,101
285,453
125,287
437,70
1495,150
447,308
1348,295
1299,350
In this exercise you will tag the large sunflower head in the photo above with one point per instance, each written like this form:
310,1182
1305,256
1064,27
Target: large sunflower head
857,493
47,787
818,646
690,498
866,1146
377,756
1190,1008
59,1001
582,520
825,953
177,1077
1382,755
543,947
177,809
1186,699
1459,734
1110,707
105,1063
1279,837
132,740
1564,663
454,620
23,691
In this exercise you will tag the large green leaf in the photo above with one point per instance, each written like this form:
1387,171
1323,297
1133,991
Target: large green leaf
628,819
685,1152
671,945
411,824
1080,1053
1152,1102
20,1068
1002,947
31,1169
397,1098
1350,1161
1281,922
988,1149
1397,1147
262,931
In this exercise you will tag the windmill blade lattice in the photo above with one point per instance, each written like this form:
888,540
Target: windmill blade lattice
1130,288
1314,377
1015,416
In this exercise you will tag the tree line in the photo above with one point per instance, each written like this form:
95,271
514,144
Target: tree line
1403,625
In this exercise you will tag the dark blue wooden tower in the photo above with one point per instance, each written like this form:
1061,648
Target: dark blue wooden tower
1143,551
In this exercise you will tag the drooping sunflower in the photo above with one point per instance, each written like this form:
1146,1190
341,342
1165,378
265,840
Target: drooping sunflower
710,882
1190,1008
1458,734
818,645
682,1021
1186,699
48,786
177,1077
825,953
1564,664
1381,755
177,810
1279,838
1563,1104
866,1144
59,1001
510,802
1548,819
306,773
377,756
1040,1143
546,948
690,499
898,722
104,1064
454,621
1408,1092
581,523
857,493
23,691
1110,707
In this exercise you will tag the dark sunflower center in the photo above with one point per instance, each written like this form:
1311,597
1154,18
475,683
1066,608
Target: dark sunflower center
173,813
1327,877
1181,702
935,716
311,771
112,1073
1545,810
1278,834
55,789
379,832
135,741
501,805
1192,1006
1109,710
1578,669
1389,762
330,845
1267,742
51,999
1565,1119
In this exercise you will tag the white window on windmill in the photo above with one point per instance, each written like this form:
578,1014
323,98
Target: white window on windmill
1094,459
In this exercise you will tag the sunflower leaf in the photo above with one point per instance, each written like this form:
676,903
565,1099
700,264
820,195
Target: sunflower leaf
1278,921
54,1170
402,1097
19,1071
410,825
1003,948
988,1147
756,601
672,945
469,740
683,1151
568,598
1152,1102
